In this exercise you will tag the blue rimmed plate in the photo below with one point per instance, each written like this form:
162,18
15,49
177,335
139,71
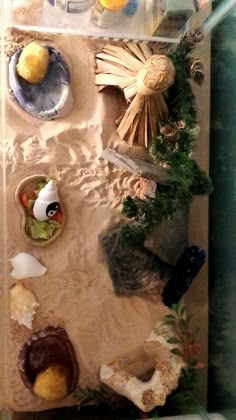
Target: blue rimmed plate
48,100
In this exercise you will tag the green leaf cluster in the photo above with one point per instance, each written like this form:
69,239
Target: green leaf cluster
186,179
180,320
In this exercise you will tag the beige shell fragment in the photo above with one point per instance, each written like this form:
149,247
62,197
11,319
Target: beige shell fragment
23,305
167,370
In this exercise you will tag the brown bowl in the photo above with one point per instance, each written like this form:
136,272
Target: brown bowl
43,349
27,185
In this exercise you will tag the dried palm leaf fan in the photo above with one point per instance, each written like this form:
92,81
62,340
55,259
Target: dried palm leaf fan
143,76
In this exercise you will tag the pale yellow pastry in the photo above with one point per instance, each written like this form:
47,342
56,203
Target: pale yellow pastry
51,384
33,63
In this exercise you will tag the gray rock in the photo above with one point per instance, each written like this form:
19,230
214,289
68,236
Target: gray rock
133,269
136,165
170,238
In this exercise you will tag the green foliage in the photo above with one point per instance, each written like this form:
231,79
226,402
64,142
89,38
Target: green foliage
173,148
100,395
186,179
190,349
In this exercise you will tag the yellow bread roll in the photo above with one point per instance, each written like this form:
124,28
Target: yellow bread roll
51,384
33,63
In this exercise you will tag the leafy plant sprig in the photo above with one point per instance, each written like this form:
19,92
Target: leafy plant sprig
180,320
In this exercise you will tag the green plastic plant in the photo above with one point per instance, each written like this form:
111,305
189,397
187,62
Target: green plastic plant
172,148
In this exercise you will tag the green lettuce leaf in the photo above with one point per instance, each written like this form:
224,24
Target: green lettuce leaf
41,230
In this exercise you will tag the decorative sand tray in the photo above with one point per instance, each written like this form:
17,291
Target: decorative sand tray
97,295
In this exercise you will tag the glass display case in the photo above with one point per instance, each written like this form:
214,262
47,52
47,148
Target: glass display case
118,195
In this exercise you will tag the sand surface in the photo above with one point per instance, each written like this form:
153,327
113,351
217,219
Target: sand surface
77,291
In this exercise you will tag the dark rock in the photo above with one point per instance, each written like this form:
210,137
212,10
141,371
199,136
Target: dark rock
169,239
186,269
133,269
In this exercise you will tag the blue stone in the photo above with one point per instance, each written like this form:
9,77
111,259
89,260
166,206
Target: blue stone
131,7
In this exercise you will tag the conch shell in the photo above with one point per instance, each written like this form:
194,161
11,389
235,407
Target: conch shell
47,203
23,305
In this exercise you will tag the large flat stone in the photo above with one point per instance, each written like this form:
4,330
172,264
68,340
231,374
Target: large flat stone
136,165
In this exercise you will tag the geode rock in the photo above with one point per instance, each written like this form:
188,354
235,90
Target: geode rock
133,269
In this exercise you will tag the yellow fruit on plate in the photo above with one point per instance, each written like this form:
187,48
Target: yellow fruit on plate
114,4
51,384
33,63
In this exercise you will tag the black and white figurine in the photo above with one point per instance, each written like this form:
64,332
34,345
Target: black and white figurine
47,203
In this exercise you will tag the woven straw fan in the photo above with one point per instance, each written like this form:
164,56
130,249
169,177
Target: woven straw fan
143,77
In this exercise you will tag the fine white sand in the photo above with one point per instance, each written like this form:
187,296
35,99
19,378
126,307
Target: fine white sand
77,291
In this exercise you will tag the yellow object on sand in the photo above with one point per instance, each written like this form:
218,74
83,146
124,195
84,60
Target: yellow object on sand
114,4
51,384
33,63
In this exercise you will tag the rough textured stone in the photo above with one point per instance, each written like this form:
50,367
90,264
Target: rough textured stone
133,269
136,165
170,238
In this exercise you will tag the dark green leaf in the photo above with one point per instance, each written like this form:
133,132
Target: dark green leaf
183,325
175,308
193,362
173,340
170,322
170,316
177,352
182,310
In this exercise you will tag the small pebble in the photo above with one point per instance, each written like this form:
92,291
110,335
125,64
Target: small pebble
131,7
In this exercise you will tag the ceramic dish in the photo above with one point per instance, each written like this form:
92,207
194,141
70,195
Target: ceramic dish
48,100
27,185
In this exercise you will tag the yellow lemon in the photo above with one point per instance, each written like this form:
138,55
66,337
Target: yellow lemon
51,384
33,63
114,4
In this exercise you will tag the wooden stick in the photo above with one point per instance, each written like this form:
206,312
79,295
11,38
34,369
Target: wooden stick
141,127
146,50
153,118
136,50
110,58
106,67
130,114
112,80
164,107
158,108
133,130
126,56
130,91
146,124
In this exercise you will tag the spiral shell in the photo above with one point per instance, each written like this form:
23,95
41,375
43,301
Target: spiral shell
47,203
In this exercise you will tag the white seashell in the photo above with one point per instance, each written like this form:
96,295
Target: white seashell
47,203
23,305
25,265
